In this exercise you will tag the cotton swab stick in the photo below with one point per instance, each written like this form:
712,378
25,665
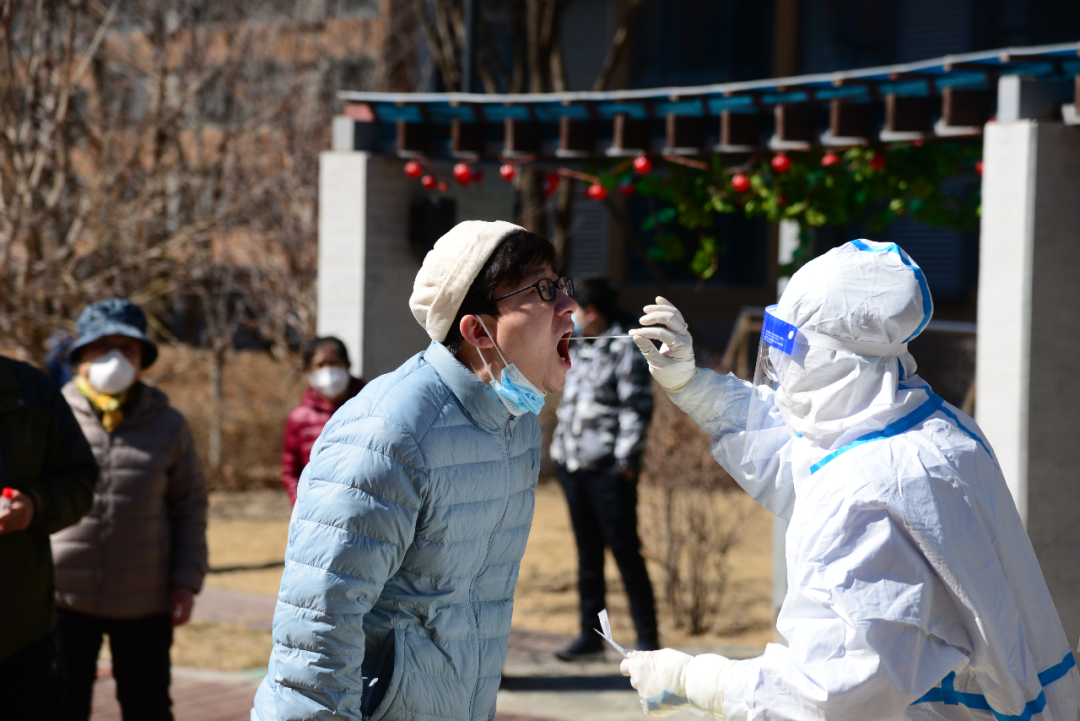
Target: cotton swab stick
598,337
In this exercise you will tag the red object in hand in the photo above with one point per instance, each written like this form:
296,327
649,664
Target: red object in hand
596,191
829,159
508,172
429,182
781,163
551,183
626,187
182,601
413,169
463,173
978,169
877,163
740,183
642,165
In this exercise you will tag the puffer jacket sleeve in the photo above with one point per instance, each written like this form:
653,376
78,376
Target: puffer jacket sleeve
187,515
356,514
65,491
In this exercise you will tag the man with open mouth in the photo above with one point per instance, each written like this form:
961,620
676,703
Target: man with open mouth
412,516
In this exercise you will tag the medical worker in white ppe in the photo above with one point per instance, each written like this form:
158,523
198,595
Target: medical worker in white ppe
913,590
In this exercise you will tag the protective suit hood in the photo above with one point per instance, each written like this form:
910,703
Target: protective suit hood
861,294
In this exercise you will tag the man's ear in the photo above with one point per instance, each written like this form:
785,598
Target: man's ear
474,333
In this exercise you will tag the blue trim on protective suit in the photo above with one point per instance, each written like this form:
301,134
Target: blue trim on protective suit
947,694
1055,672
971,434
974,436
928,302
933,404
917,416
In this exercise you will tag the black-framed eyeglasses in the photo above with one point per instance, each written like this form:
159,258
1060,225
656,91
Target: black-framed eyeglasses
546,287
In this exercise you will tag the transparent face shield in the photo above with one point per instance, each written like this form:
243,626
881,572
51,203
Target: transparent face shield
766,432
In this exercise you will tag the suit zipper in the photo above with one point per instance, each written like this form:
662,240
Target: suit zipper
506,433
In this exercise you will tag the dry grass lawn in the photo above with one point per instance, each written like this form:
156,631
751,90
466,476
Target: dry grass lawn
546,598
220,647
252,532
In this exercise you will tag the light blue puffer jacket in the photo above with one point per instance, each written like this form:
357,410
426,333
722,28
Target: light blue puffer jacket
404,548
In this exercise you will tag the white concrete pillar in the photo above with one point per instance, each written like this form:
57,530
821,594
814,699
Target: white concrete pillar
366,268
1028,349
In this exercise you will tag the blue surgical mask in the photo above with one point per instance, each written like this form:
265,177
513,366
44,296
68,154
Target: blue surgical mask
515,391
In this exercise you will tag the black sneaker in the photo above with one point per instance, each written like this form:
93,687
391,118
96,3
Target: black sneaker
583,648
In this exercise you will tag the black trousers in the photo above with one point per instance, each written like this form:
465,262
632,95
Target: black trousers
603,512
140,657
28,682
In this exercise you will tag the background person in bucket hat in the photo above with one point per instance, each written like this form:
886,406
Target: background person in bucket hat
131,567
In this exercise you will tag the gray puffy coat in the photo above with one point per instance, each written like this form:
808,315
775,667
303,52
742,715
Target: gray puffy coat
404,547
146,531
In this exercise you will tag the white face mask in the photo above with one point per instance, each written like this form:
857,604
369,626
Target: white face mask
112,373
331,381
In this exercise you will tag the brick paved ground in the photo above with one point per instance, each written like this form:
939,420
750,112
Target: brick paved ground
196,697
201,697
535,686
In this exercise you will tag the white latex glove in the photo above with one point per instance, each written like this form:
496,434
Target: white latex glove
673,365
706,676
660,679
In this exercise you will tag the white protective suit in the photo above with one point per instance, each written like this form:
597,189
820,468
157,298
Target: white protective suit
913,590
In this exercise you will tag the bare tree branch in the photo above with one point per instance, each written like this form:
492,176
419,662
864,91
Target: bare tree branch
619,43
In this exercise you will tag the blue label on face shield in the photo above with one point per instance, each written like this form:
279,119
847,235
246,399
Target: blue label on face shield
777,333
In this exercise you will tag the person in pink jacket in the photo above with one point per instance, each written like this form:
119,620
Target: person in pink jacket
326,362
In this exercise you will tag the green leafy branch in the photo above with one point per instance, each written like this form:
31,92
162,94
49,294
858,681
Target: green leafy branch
868,185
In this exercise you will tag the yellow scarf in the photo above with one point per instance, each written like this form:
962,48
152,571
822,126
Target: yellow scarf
109,406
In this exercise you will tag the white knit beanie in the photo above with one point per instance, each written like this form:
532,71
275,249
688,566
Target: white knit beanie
449,270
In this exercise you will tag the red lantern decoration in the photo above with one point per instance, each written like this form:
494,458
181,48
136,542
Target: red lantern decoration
740,183
508,172
551,184
642,165
477,175
413,169
429,182
443,187
596,191
829,159
781,163
626,187
877,163
463,173
979,167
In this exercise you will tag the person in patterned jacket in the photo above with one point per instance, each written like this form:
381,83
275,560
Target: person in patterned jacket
603,418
